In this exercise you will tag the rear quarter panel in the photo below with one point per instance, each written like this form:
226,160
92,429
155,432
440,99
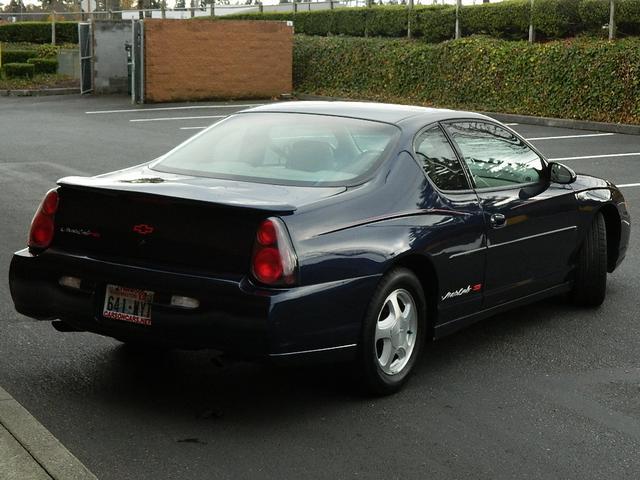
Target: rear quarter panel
366,230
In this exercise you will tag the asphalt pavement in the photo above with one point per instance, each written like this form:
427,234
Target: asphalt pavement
546,391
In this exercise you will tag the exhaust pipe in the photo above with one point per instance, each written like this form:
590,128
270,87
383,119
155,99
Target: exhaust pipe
62,326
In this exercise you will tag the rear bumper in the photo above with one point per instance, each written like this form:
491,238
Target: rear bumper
309,322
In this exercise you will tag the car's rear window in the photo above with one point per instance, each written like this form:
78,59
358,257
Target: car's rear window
284,148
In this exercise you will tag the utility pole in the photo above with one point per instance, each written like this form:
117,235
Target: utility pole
612,20
458,5
532,32
53,27
409,15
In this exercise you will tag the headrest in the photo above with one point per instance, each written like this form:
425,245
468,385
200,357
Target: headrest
311,156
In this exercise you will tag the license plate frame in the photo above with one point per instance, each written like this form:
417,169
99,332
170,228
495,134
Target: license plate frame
125,304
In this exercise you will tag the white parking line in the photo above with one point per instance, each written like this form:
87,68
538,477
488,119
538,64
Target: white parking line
511,124
611,155
625,185
174,118
158,109
192,128
572,136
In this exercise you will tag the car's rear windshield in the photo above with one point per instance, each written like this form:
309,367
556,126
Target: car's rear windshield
285,149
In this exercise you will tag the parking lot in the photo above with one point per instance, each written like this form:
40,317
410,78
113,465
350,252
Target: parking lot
546,391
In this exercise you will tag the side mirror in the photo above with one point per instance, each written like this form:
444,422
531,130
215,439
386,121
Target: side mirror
560,173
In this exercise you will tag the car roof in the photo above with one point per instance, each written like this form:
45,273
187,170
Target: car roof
381,112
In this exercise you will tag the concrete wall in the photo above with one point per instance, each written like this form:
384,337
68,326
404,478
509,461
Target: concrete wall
195,60
110,58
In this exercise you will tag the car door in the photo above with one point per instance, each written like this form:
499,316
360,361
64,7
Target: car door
457,243
530,222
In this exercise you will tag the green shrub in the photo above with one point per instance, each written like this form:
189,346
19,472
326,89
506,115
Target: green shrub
388,21
319,22
13,70
38,32
587,79
44,65
594,14
628,17
17,56
556,18
508,19
47,50
350,21
273,16
435,23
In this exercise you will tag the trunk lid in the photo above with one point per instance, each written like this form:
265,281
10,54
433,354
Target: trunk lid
150,218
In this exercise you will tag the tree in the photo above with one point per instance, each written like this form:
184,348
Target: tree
58,5
15,6
148,4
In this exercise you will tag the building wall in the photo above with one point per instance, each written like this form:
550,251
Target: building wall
196,60
110,57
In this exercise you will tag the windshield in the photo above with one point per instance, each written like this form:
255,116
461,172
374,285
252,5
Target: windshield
285,149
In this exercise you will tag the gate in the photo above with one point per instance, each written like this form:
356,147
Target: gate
85,38
137,62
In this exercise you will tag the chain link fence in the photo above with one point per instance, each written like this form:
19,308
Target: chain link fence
223,9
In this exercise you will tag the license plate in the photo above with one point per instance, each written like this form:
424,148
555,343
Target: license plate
128,304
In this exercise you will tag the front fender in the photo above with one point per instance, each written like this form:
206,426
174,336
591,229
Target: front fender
596,195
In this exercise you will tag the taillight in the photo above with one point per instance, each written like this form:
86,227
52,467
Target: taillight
43,223
274,261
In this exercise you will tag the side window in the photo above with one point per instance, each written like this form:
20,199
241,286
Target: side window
495,157
439,160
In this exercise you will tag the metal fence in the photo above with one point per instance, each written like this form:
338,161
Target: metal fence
226,9
219,9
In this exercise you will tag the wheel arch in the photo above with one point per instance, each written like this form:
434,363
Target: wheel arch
612,223
424,269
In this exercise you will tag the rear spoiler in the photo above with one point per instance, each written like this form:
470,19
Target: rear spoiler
177,190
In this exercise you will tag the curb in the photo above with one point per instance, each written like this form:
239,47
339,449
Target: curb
44,92
46,452
623,128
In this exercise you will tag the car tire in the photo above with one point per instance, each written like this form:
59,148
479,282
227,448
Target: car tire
393,333
590,285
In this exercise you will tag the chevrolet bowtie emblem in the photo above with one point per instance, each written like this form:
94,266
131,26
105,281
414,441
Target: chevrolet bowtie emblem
143,229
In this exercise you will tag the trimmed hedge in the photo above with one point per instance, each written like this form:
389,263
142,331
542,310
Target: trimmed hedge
17,56
556,18
628,17
594,14
13,70
586,79
46,50
434,24
38,32
510,19
44,65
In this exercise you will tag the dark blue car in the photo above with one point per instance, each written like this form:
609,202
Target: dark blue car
323,231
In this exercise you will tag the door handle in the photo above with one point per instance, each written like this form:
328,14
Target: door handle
497,220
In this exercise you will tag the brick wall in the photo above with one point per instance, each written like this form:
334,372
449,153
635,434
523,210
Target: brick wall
195,60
